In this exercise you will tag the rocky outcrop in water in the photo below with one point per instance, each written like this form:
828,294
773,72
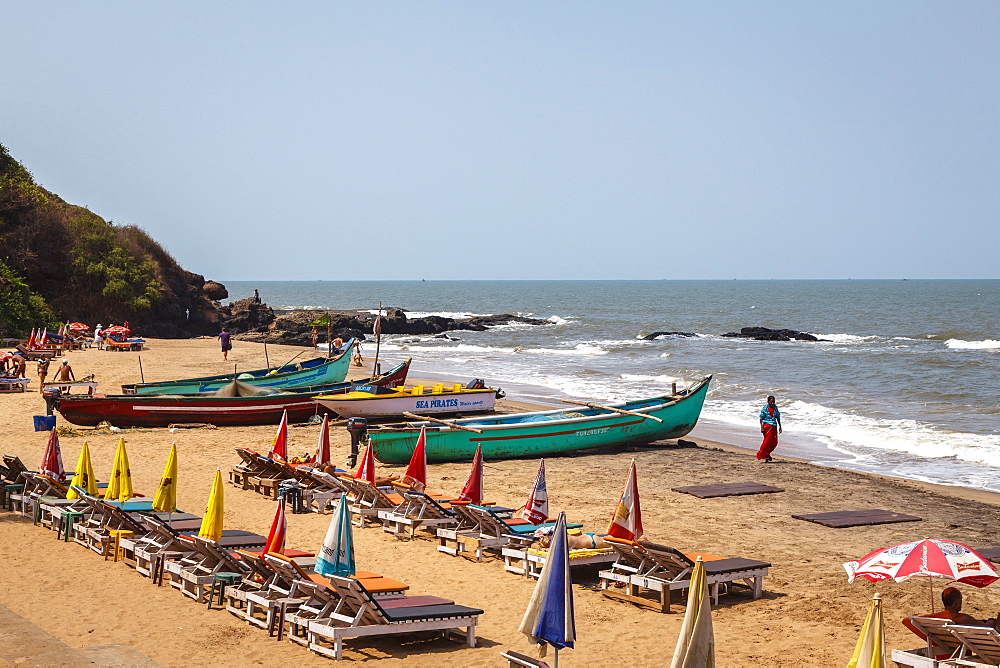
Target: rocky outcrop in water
656,335
766,334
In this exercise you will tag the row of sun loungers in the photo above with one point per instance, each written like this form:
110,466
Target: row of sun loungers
278,592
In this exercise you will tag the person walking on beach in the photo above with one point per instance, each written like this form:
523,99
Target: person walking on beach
99,337
770,427
225,338
43,371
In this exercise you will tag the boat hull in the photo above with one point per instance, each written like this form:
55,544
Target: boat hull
546,432
475,401
163,410
314,372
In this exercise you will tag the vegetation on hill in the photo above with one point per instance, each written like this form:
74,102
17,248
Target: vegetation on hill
60,262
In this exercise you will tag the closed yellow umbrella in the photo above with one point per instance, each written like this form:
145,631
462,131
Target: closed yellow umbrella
211,525
120,483
84,476
870,650
165,500
696,643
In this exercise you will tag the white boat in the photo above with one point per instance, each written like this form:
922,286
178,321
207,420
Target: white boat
373,401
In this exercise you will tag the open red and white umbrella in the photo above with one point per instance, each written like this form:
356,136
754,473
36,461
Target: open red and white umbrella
78,327
117,329
930,558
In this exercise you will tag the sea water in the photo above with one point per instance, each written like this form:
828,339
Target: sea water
904,383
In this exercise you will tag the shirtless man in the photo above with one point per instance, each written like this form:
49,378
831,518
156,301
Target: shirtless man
951,598
64,374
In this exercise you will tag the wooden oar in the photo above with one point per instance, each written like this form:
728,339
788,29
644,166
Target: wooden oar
616,410
447,423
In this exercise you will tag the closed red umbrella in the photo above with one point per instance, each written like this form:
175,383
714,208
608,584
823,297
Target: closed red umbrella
473,490
416,472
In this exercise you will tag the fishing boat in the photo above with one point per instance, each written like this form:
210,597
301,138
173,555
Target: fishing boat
545,432
225,407
379,402
312,372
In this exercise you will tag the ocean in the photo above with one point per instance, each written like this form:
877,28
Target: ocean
905,383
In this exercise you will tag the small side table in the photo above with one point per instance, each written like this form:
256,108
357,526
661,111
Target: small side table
220,581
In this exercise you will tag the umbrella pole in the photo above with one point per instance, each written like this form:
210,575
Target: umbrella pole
930,581
555,661
267,360
141,377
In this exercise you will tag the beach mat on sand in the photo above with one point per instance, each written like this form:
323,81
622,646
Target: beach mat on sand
857,518
991,553
727,489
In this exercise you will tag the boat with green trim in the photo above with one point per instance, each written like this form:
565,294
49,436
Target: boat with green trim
545,432
312,372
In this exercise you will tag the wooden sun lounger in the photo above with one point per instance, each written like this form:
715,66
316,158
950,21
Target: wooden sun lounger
529,562
33,355
417,510
362,615
648,566
193,575
483,528
979,643
325,489
365,500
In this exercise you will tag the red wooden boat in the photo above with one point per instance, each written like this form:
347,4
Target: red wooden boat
258,406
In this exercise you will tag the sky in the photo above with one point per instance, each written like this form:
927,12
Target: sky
549,140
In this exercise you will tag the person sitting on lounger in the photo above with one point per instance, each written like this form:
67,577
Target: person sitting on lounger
951,598
583,541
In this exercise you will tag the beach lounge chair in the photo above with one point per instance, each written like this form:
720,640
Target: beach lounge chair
417,510
251,466
365,499
491,530
325,488
979,644
518,660
648,566
33,355
194,573
529,561
361,614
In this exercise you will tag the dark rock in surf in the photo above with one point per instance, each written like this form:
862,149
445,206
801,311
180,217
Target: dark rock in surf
766,334
656,335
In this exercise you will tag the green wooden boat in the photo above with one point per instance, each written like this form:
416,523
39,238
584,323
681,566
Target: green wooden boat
316,371
545,432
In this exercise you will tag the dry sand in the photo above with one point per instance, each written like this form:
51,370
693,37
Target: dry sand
809,615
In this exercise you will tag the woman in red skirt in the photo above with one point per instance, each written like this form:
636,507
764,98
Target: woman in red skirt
770,427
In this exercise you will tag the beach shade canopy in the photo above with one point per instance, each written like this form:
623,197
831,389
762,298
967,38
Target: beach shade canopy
549,619
336,556
84,475
78,327
931,558
117,329
416,472
120,482
165,500
211,524
323,447
366,469
473,490
279,527
536,510
52,464
279,446
696,643
627,521
870,650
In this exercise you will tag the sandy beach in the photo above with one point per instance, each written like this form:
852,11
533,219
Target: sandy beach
808,616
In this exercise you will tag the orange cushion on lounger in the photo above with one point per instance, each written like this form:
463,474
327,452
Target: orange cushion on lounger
380,585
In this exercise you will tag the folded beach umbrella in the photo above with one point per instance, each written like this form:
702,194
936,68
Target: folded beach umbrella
279,446
120,482
279,527
930,558
366,469
323,449
211,524
84,475
549,619
696,643
870,650
52,464
473,490
31,340
165,500
416,472
627,521
536,510
336,556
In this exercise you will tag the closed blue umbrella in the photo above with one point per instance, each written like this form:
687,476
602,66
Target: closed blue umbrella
336,556
549,619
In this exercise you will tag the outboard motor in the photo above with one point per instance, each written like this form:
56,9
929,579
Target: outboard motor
476,384
51,397
357,427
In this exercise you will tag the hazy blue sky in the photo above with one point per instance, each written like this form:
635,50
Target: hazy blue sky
308,140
